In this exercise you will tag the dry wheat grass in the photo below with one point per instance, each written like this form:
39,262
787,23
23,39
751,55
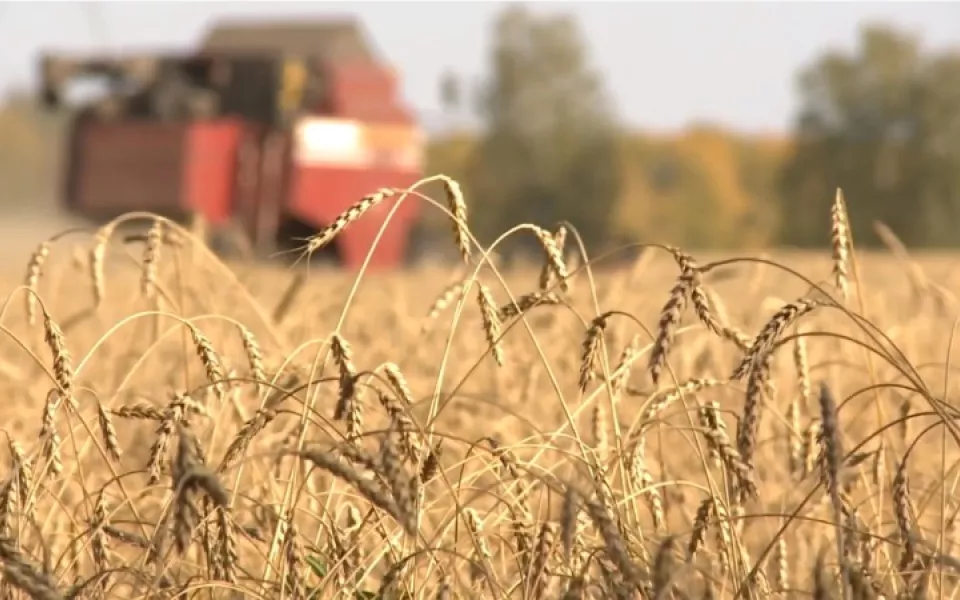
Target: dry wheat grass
234,433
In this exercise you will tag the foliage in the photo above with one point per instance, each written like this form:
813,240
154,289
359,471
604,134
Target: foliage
548,151
668,189
883,123
703,187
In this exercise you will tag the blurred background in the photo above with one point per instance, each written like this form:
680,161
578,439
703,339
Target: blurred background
710,126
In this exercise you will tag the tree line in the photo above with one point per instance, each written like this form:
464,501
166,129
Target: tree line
882,122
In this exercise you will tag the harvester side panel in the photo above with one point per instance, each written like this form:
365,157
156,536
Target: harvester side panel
116,168
368,141
168,168
321,193
210,165
339,161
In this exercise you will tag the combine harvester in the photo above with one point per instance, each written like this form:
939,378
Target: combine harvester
274,129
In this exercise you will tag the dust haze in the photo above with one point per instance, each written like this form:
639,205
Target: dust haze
25,224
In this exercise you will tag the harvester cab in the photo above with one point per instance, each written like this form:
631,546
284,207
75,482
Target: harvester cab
273,129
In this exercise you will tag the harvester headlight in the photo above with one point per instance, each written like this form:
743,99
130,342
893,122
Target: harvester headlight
326,139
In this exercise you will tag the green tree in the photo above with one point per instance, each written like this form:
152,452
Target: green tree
881,123
548,151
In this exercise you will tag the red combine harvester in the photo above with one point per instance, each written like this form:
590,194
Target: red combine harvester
272,128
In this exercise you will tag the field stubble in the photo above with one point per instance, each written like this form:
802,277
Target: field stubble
178,426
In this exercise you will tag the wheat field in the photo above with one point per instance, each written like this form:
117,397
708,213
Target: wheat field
689,425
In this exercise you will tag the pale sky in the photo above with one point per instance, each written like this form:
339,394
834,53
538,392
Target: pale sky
666,64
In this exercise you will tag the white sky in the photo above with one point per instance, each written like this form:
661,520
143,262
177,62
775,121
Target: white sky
666,64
